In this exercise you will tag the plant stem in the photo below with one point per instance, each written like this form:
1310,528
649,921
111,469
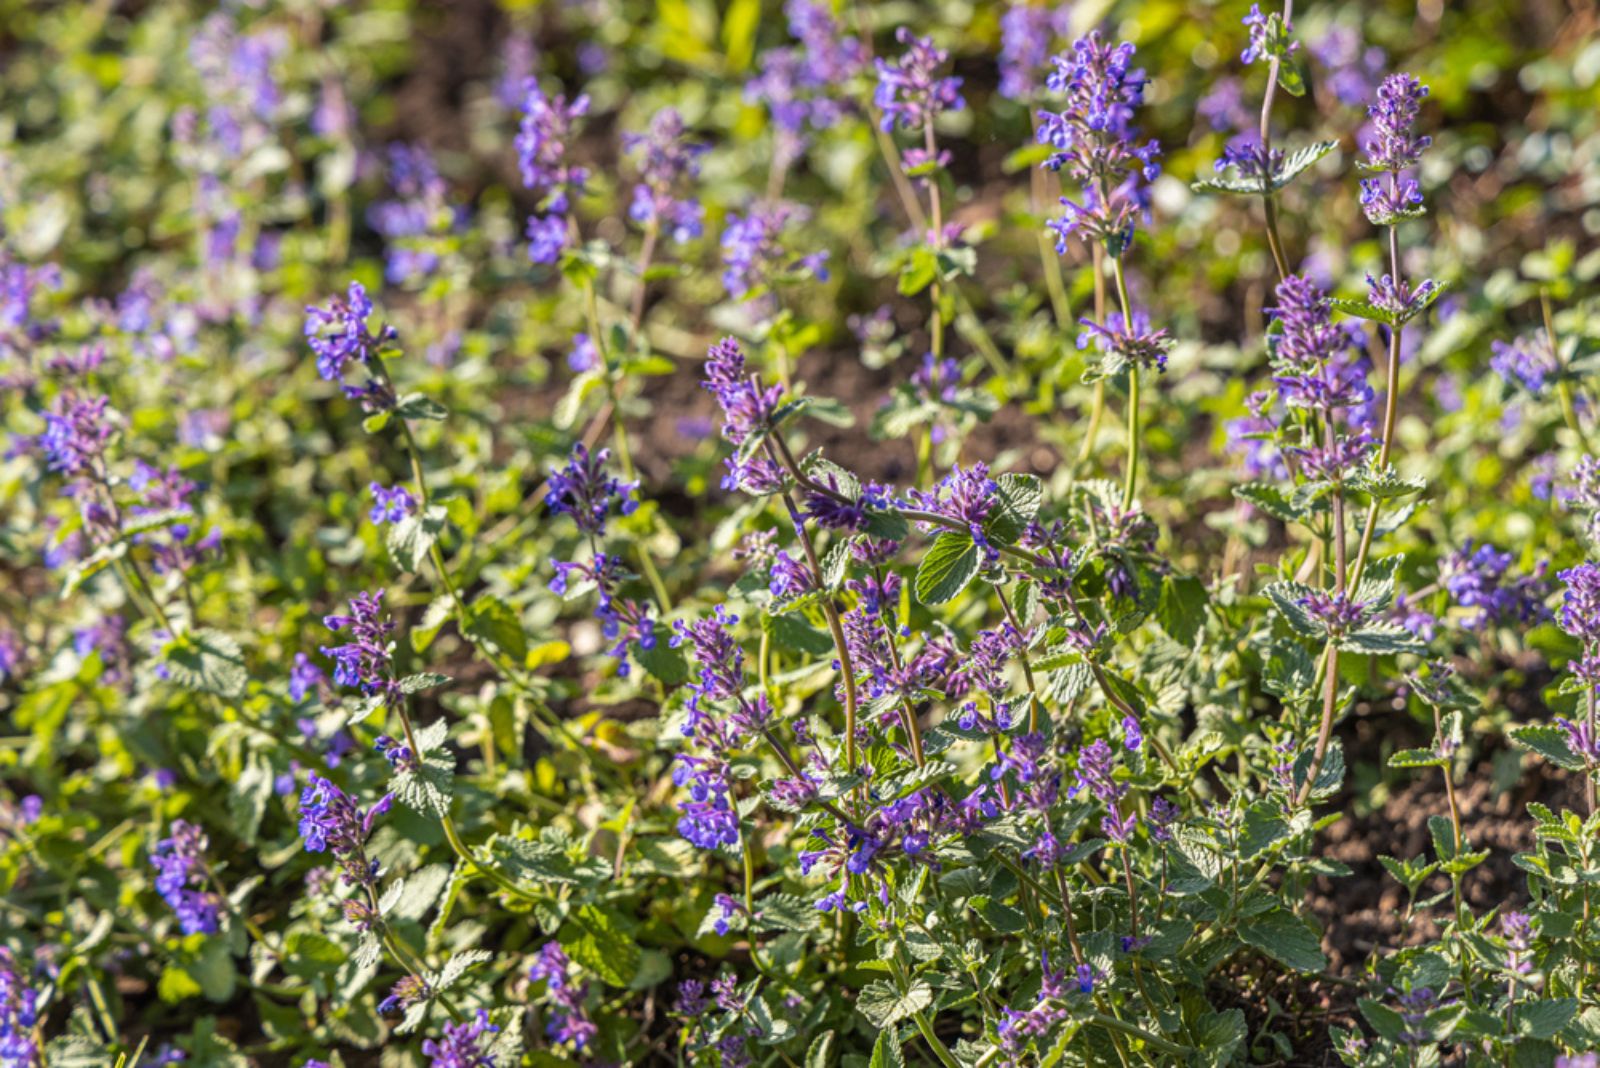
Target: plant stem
1132,476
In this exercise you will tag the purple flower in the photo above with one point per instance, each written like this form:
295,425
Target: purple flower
408,991
1026,33
753,254
542,141
1132,736
585,490
330,822
1353,69
1395,146
1140,346
909,92
1095,142
1518,931
337,332
390,505
1095,766
584,356
460,1044
364,661
547,236
569,1022
1163,814
1335,610
75,435
668,163
1266,33
1525,361
304,677
1580,604
1478,579
19,1016
746,407
181,878
967,495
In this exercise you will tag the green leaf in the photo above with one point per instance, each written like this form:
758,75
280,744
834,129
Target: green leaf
1417,758
424,680
662,660
412,538
428,786
1019,500
950,564
1286,597
885,1005
418,406
1550,742
598,938
1382,638
1543,1018
209,661
1182,608
886,1052
1218,1036
497,625
820,1055
1285,938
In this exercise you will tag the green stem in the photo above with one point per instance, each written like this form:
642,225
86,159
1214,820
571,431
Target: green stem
1132,477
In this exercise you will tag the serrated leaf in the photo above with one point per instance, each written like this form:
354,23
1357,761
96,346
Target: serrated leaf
1549,741
423,680
1417,758
597,938
496,624
884,1005
950,564
412,538
1285,938
419,406
1018,498
886,1052
1382,638
1286,598
209,661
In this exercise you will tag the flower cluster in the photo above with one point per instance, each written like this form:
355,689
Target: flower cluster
1095,142
543,141
1525,361
583,490
910,92
331,822
182,878
569,1022
20,1046
1478,580
338,334
754,257
365,660
668,162
417,218
461,1045
1394,148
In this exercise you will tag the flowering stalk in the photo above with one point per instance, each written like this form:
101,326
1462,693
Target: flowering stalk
1261,34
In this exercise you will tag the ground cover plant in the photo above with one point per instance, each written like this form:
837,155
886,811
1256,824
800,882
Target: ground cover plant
957,534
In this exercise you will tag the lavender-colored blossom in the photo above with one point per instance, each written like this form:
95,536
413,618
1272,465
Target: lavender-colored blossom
461,1045
76,431
390,504
1095,142
20,1044
1336,611
1525,361
1139,346
409,990
363,661
1395,146
1026,33
543,140
1580,605
331,822
585,356
1262,43
910,92
304,678
753,252
1353,69
586,491
1163,814
181,879
337,332
967,495
569,1022
1478,579
746,406
669,161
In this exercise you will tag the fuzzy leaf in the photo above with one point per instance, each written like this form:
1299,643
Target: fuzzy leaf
596,937
1550,742
950,564
884,1005
412,538
1286,939
209,661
